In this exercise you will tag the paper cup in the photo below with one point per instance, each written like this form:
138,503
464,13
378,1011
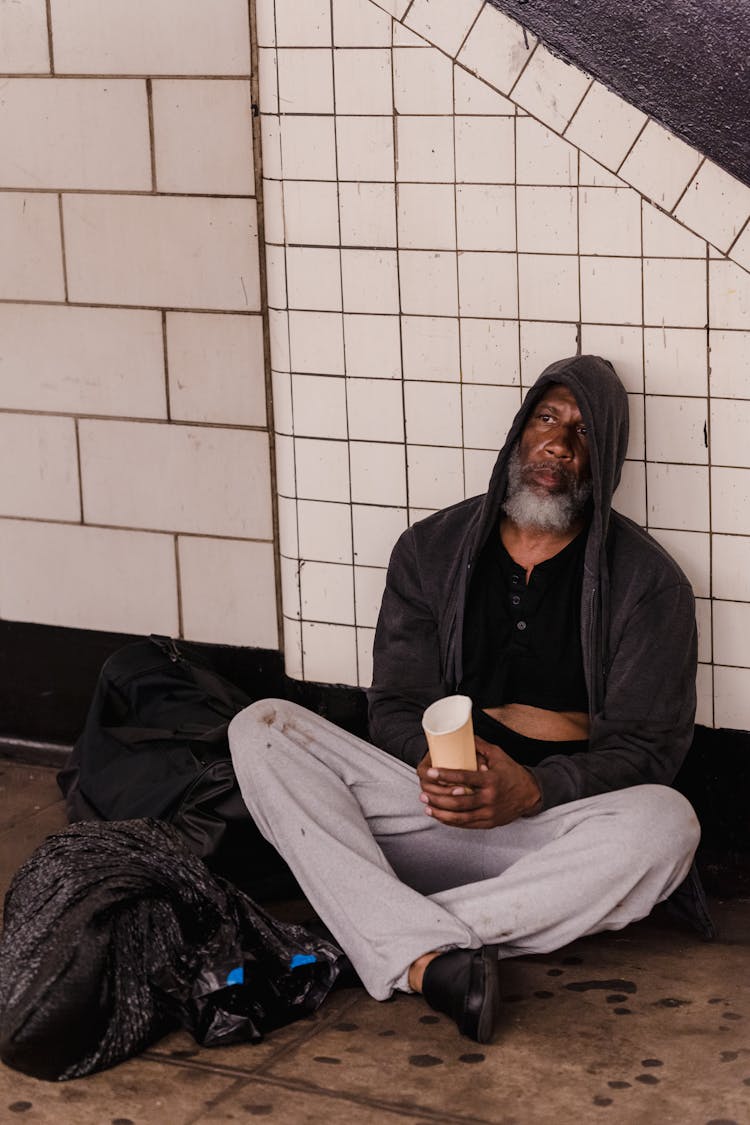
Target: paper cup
450,733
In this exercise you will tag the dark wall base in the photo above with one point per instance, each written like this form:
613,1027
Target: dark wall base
48,674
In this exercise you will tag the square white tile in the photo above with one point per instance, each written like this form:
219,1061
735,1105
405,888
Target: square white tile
25,48
664,237
367,214
286,485
660,165
611,290
378,473
273,209
730,419
675,429
675,361
203,136
542,157
233,611
636,450
358,23
319,405
485,217
705,632
691,550
322,469
369,583
293,648
731,629
308,148
288,537
605,126
365,638
436,476
270,140
622,345
488,285
730,571
317,343
729,295
550,89
422,81
704,684
363,80
268,80
470,96
716,205
485,150
276,276
548,286
278,331
547,219
630,495
489,351
428,282
433,413
430,348
373,346
329,653
327,592
426,217
478,466
732,698
674,292
729,358
39,467
305,80
216,370
610,221
542,344
497,49
313,278
425,149
365,149
311,213
375,410
487,415
283,414
678,497
591,174
445,23
303,25
376,530
370,281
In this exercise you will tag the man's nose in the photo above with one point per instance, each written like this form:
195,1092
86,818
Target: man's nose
560,443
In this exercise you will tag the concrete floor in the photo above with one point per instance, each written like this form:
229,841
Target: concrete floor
645,1027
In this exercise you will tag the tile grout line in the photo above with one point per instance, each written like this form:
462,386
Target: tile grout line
270,426
736,239
50,40
458,281
178,581
402,380
81,520
63,255
339,248
165,361
643,366
711,597
151,131
518,258
683,193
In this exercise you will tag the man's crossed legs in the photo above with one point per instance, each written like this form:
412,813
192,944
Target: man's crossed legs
393,884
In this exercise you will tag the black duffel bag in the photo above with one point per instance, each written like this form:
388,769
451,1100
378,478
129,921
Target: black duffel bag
155,745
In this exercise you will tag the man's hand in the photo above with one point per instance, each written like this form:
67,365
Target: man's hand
500,790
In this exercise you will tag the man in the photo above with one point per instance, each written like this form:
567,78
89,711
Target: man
574,634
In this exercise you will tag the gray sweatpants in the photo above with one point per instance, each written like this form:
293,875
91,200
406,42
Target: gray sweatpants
392,883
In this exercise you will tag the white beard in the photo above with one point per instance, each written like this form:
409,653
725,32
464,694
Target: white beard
538,511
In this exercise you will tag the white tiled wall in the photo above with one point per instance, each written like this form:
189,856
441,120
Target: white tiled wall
135,460
449,207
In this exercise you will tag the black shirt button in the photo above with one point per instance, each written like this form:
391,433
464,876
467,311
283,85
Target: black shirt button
515,600
520,625
515,579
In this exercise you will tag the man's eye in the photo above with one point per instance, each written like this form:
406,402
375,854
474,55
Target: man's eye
582,431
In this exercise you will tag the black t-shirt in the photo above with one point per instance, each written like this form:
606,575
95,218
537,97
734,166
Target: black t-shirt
522,643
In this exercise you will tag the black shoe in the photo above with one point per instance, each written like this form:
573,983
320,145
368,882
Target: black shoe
463,984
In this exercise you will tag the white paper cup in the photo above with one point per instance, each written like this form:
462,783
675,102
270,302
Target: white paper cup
450,733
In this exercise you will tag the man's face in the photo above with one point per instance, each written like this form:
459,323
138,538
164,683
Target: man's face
553,449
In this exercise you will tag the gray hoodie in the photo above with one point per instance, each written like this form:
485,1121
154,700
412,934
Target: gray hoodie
638,630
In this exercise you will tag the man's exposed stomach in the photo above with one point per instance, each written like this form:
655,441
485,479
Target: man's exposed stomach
535,722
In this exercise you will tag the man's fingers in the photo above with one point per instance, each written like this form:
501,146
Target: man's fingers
466,802
461,819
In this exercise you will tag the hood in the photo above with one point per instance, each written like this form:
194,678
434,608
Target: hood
603,403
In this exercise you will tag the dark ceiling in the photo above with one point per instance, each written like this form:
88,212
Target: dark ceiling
684,62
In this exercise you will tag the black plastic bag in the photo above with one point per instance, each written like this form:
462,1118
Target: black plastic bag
115,933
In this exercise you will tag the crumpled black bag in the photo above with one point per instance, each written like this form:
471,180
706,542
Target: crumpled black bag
116,933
